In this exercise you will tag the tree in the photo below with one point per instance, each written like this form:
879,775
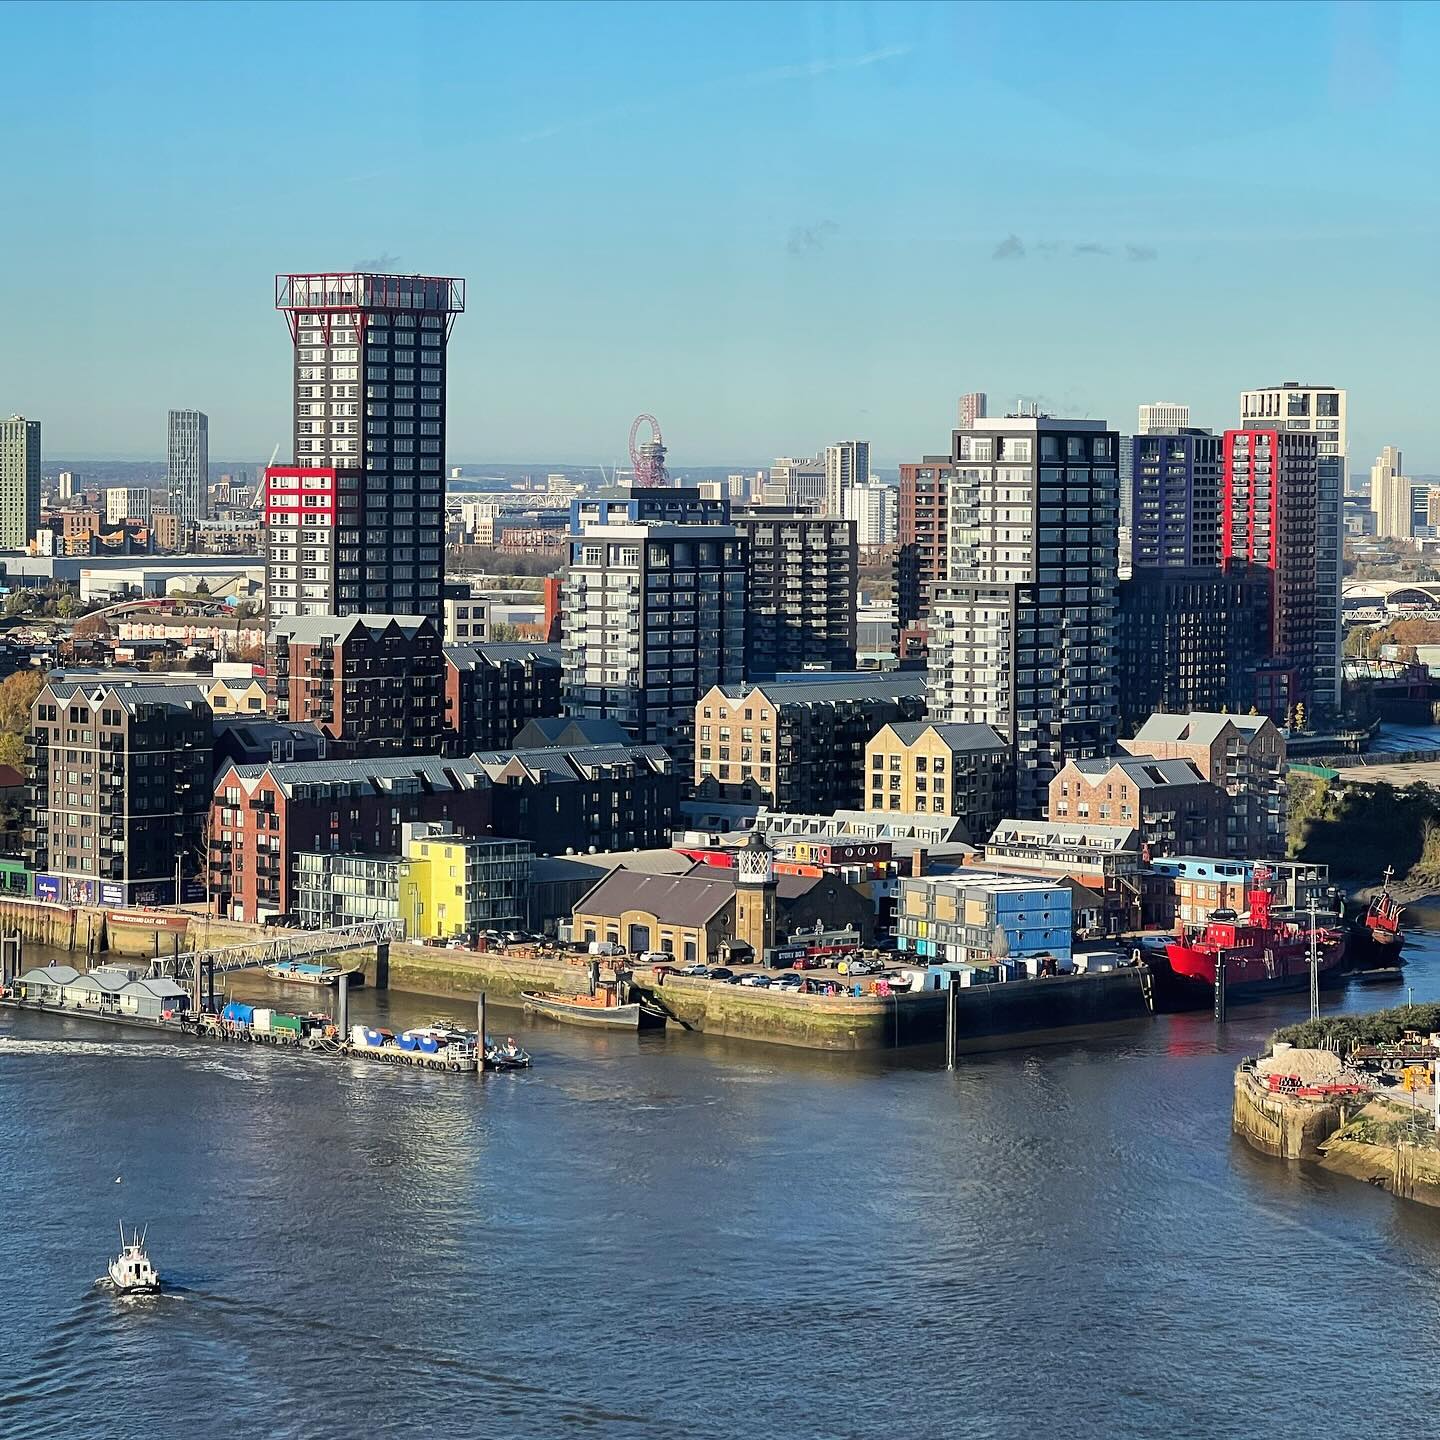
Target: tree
68,606
17,697
17,602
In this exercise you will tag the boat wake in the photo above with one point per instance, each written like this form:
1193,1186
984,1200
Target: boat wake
113,1049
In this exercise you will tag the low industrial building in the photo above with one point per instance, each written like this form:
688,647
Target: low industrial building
1196,885
1105,859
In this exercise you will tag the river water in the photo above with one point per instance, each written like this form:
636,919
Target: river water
664,1235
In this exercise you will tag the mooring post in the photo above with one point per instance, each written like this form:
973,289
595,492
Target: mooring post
342,1005
1220,988
952,1021
480,1020
197,977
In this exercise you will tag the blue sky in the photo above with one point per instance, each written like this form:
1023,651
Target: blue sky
771,225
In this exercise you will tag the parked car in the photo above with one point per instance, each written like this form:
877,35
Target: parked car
757,979
789,981
516,937
805,962
721,973
655,957
859,965
607,947
698,971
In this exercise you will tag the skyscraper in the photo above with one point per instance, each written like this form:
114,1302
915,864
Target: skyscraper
924,543
356,525
1390,497
846,464
1268,519
1163,417
1022,633
188,458
66,487
1174,498
972,408
19,481
1319,410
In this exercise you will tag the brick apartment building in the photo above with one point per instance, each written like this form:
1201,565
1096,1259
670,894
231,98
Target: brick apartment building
493,690
375,684
262,816
1242,754
119,787
797,745
955,769
605,797
1175,808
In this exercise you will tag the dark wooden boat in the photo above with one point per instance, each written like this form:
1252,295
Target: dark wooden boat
598,1010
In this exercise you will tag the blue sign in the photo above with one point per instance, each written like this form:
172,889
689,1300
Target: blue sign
47,887
111,893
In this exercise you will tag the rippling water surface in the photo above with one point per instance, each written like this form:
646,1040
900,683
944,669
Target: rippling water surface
665,1235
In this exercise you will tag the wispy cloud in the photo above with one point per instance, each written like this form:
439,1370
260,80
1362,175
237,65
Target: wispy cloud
810,239
813,69
1012,247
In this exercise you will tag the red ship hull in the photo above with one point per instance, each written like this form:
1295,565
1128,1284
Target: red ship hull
1255,969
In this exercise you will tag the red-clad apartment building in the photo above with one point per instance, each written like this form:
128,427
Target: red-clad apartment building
1268,518
924,508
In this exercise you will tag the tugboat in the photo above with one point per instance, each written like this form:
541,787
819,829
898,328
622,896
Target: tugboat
131,1272
1262,954
1379,940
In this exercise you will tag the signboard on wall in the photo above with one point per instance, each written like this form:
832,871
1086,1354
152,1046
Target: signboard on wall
47,887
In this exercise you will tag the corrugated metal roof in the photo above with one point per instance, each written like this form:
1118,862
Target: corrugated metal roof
834,687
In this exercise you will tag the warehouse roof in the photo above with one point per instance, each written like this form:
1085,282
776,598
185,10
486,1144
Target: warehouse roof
672,899
833,687
497,653
570,730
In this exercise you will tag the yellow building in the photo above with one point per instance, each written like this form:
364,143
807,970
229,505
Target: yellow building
229,696
453,885
959,770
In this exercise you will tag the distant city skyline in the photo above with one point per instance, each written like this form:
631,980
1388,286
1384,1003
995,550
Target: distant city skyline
620,277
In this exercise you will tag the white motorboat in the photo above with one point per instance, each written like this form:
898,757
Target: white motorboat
131,1272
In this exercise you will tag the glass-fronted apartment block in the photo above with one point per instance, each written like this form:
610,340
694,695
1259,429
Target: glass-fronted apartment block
335,890
187,455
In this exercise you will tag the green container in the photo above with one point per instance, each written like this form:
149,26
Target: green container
290,1023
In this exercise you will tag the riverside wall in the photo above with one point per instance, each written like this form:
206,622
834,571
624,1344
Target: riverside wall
990,1016
1286,1126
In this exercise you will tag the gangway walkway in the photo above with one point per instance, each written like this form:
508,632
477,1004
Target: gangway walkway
191,967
